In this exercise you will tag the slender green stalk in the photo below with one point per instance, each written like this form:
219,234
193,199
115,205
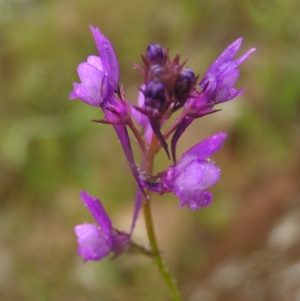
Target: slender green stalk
140,249
169,280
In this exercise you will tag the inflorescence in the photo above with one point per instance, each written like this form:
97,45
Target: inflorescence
169,86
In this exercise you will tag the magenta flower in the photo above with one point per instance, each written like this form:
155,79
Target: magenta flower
99,83
218,82
99,75
97,241
192,175
217,86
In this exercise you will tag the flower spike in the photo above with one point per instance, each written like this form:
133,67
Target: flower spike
169,86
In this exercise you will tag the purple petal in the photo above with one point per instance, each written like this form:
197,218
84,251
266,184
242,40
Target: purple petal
225,91
225,57
167,179
92,245
97,210
201,199
196,175
221,75
108,58
202,150
96,62
243,58
190,182
90,90
209,85
229,78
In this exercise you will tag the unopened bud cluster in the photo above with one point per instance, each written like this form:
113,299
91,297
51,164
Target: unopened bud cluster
167,83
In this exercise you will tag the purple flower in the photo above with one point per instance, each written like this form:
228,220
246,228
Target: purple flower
93,81
218,82
221,76
99,75
217,86
99,82
97,241
192,175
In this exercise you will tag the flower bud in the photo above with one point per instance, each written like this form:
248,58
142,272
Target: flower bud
154,98
156,72
156,54
185,82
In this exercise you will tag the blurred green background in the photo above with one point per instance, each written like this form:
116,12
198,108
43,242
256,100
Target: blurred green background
50,151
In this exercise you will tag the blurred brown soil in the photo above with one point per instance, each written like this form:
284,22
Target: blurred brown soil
262,205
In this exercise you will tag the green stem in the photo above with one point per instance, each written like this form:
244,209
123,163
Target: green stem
140,249
169,280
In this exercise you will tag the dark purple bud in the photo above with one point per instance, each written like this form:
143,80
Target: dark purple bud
154,98
156,72
155,101
185,82
155,53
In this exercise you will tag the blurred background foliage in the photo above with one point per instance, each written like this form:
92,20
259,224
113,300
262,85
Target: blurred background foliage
50,151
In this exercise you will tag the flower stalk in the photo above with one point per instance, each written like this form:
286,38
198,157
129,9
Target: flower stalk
156,254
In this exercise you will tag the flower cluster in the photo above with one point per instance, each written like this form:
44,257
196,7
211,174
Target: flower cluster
169,86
